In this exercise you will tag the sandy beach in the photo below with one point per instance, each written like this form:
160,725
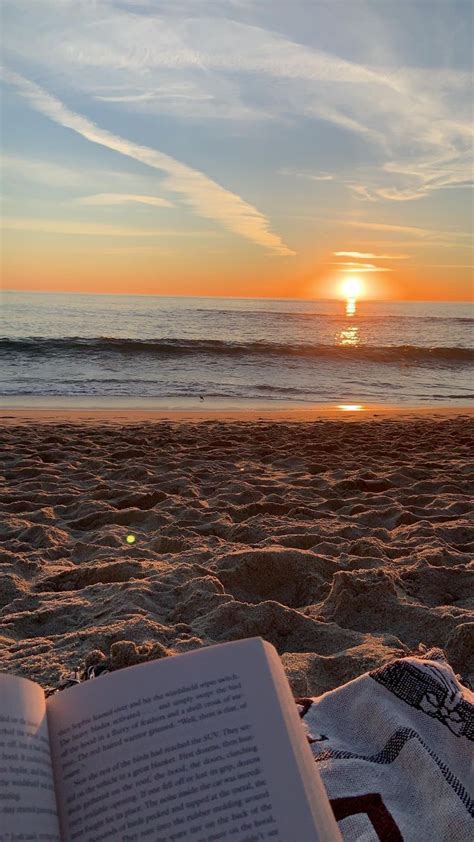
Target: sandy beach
343,538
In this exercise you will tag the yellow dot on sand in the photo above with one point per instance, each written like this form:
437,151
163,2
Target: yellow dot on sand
130,539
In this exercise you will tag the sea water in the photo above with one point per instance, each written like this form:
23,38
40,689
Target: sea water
139,350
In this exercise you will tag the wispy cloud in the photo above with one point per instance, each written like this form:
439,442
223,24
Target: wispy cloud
40,172
203,195
59,226
432,236
428,237
139,251
200,64
367,255
447,266
115,39
360,267
382,226
183,91
32,171
312,176
361,192
325,176
99,199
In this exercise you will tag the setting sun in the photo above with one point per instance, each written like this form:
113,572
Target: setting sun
352,287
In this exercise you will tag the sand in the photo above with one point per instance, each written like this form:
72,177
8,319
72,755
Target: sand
343,541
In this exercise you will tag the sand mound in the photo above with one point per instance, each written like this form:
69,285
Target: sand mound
11,587
292,577
79,578
438,585
198,597
286,629
311,674
371,602
460,648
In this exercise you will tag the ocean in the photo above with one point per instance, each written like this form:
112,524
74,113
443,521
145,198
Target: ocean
226,352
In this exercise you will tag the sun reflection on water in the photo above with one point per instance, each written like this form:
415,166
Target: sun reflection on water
349,336
351,306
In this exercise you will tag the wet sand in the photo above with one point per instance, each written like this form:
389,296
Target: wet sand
343,538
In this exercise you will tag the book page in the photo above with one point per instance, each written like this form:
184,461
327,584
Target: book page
317,797
187,749
27,799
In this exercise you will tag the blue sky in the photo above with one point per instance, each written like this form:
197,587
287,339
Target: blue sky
275,133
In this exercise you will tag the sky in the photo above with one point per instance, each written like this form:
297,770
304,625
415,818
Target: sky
238,147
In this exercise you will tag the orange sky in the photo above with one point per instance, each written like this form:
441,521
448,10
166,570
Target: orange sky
62,264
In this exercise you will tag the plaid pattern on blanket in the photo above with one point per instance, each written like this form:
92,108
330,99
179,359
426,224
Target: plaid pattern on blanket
395,751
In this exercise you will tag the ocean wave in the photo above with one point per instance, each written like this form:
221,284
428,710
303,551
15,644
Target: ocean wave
363,316
168,348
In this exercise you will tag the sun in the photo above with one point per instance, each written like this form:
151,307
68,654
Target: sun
352,287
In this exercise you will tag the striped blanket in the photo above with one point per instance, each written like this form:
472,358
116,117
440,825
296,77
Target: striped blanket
395,751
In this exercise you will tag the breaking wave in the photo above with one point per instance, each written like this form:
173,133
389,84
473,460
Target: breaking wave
168,348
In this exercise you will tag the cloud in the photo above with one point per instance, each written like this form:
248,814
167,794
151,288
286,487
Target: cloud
59,226
416,178
32,170
115,40
395,194
382,226
123,199
320,176
368,255
41,172
447,266
211,61
143,251
183,90
172,62
204,196
429,237
360,267
434,237
361,192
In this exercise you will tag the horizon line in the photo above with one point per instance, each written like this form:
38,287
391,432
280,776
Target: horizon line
360,300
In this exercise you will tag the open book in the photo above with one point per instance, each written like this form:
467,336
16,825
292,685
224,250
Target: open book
203,747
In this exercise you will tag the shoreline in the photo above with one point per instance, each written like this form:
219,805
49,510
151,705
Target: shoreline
10,414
